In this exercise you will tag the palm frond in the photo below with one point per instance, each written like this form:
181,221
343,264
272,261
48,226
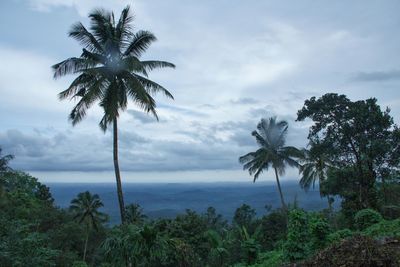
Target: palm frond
93,93
141,41
101,26
123,30
83,36
133,64
139,94
260,140
155,64
71,66
153,87
95,57
248,157
79,83
110,103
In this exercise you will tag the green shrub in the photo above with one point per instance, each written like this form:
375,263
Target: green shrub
384,229
296,246
339,235
319,230
79,264
273,258
366,217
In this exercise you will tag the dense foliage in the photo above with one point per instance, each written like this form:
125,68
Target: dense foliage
34,232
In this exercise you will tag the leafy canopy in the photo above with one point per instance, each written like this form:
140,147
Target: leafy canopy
109,69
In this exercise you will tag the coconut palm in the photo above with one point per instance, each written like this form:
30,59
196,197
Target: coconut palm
312,170
133,245
85,208
134,214
111,73
249,244
314,167
271,136
218,252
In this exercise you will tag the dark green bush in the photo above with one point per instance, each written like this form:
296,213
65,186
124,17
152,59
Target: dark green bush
296,246
79,264
274,258
339,235
384,229
366,217
319,230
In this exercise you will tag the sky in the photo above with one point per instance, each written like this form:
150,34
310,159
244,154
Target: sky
236,62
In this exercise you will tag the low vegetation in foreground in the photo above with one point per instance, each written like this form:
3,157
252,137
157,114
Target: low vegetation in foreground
34,232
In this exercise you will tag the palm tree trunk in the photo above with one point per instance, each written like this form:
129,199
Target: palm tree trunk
384,189
86,242
117,174
280,189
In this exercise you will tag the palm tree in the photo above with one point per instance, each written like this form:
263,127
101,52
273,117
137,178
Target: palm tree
249,244
314,167
133,245
134,214
85,208
110,72
271,136
4,162
218,251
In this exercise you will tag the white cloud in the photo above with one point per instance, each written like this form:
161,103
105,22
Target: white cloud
83,7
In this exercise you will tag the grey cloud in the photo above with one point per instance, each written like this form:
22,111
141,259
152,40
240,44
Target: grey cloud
142,117
244,101
243,138
376,76
80,152
182,110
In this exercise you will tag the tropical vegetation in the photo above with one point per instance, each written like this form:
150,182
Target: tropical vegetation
360,173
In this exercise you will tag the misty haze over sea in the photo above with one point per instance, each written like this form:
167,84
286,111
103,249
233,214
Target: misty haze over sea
169,199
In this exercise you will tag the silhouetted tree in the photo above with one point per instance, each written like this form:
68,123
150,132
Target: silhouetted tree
271,137
111,73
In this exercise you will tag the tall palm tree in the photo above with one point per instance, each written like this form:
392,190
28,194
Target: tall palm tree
85,208
271,136
110,72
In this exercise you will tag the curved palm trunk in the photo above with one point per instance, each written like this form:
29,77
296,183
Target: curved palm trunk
280,190
117,173
86,242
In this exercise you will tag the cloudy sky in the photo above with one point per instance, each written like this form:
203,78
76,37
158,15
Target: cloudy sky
237,61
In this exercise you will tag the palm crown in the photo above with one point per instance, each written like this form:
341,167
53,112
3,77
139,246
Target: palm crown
313,169
271,136
86,209
109,67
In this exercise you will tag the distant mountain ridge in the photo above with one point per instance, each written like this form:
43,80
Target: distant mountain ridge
169,199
